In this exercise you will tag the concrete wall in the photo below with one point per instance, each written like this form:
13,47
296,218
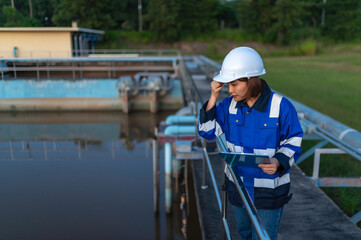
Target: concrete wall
69,95
101,88
35,44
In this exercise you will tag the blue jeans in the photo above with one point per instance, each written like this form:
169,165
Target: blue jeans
270,219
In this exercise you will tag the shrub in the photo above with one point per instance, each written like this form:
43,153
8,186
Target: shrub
308,47
305,48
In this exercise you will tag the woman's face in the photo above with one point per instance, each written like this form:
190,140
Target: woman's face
238,89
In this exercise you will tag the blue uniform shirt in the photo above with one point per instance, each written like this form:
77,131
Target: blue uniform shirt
271,128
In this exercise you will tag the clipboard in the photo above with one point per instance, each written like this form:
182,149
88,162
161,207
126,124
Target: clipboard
243,159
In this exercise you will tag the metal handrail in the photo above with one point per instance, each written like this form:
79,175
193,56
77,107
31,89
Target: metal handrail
251,210
86,52
44,68
246,199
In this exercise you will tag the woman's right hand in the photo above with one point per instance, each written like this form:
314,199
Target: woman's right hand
216,88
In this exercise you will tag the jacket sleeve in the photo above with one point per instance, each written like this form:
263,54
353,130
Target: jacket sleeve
211,122
290,137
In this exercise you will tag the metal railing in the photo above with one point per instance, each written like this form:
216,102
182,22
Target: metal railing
101,63
87,52
193,94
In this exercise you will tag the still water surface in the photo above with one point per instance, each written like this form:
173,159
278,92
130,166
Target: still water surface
80,176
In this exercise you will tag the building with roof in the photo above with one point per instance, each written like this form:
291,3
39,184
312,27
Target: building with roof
47,42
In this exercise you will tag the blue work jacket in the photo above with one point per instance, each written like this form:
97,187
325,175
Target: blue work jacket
271,127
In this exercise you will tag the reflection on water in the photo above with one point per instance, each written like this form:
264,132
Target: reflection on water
80,176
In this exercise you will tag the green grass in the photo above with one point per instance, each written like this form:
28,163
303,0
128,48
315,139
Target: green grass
331,84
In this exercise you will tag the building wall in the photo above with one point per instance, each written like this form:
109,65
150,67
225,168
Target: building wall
36,44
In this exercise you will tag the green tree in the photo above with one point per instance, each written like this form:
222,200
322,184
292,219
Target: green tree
125,14
343,19
256,16
198,17
163,16
43,11
227,13
288,18
88,13
10,17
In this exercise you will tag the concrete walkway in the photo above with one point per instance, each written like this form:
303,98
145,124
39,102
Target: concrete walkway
311,214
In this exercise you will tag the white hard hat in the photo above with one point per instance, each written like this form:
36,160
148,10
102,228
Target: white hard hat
241,62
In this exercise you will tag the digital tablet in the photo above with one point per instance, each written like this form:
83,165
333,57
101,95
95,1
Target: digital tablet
243,159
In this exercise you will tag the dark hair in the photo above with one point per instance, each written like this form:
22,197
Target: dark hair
255,86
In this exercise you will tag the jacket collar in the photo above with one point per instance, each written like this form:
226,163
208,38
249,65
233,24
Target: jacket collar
262,102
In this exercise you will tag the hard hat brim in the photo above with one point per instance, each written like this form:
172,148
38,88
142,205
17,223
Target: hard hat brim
223,79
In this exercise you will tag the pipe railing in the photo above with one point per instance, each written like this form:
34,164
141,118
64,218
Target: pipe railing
193,93
87,52
75,68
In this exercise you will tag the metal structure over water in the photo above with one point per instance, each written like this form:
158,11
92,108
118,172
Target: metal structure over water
124,82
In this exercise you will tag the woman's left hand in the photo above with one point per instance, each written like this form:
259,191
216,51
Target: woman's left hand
269,165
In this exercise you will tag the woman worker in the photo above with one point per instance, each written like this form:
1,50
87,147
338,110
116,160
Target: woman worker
254,120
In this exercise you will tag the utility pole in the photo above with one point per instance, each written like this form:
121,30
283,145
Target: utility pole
31,8
323,13
12,4
140,15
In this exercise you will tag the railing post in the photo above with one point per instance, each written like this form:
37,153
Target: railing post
47,69
45,151
11,150
204,186
224,202
37,69
2,71
155,172
14,68
79,150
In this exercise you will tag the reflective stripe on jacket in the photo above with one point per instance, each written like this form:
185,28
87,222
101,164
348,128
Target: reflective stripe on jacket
271,127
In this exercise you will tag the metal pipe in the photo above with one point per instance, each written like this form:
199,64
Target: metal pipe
172,119
342,146
204,186
338,130
172,130
356,218
168,176
2,70
213,180
155,173
217,193
177,129
317,159
310,151
224,200
221,144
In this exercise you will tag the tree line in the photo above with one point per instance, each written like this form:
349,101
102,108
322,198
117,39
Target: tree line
274,21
